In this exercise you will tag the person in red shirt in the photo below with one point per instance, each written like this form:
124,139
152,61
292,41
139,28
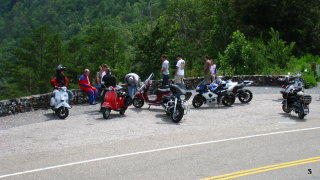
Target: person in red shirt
60,80
85,85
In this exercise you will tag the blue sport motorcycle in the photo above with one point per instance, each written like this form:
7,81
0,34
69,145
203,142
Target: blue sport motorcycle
211,93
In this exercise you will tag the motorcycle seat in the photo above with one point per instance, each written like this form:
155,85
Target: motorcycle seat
162,91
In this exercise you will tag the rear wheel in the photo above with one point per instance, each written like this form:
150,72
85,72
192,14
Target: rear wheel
301,115
176,117
245,96
62,112
286,109
106,112
138,102
197,101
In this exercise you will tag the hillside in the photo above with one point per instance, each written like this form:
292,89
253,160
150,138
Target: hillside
262,37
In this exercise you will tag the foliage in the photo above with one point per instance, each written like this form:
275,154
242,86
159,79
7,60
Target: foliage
246,37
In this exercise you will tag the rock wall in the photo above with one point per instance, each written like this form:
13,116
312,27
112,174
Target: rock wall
42,101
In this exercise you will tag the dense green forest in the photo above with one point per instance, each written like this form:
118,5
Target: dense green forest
244,36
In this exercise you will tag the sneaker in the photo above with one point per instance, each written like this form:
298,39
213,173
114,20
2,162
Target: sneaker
94,103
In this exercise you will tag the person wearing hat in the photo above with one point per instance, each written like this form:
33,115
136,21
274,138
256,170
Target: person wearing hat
133,82
85,85
179,75
60,80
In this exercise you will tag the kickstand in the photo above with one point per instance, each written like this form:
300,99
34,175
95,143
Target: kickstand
149,106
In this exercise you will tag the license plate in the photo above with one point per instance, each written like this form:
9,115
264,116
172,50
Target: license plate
306,111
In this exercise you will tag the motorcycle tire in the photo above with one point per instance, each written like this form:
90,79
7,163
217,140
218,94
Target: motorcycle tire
246,96
286,110
62,112
122,111
106,112
284,95
228,99
137,102
197,101
180,112
301,115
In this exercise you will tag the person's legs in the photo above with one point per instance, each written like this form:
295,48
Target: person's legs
131,91
92,97
180,79
165,80
70,97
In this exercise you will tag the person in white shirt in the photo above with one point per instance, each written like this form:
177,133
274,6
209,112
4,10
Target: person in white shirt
165,71
213,70
178,78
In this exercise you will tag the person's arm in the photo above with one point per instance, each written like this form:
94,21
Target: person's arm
83,83
177,67
54,83
164,68
182,64
66,84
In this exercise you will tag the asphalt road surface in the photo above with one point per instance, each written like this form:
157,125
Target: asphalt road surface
245,141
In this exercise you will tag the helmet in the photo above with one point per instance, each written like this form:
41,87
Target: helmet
300,93
60,67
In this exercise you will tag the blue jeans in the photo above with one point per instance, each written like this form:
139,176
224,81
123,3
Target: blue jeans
132,91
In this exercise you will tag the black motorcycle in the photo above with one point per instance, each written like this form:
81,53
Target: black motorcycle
297,102
174,104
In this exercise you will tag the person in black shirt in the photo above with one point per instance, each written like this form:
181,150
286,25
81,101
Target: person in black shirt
107,81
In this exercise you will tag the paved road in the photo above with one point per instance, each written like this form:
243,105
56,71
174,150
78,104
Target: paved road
144,144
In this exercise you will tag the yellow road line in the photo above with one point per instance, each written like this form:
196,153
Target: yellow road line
231,177
267,168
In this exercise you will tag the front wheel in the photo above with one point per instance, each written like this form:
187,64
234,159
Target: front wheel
228,99
245,96
284,95
62,112
138,102
176,117
197,101
286,109
122,111
106,112
301,115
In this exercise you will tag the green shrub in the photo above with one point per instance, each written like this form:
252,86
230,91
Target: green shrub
310,81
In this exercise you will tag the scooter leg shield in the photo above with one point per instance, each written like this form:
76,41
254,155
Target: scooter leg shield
64,104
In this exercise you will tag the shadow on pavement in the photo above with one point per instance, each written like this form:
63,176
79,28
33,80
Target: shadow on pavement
278,100
206,107
51,116
113,115
165,119
292,116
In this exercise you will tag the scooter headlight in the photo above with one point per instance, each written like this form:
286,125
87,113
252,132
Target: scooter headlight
183,97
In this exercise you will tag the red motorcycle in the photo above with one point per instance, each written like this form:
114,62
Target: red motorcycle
115,99
143,94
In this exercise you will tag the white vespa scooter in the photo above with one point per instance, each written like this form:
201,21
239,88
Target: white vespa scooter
59,102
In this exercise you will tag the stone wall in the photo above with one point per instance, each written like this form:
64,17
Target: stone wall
42,101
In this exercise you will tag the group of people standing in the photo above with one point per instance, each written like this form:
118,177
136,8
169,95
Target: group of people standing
179,70
105,79
210,70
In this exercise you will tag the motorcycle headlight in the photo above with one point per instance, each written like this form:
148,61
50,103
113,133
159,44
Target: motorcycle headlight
183,97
